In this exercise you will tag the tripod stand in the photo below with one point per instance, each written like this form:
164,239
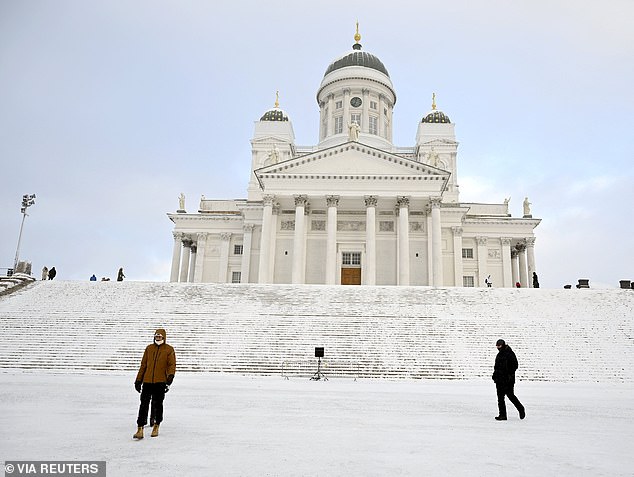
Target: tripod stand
319,375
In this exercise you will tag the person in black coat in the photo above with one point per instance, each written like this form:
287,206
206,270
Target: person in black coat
504,378
535,280
51,273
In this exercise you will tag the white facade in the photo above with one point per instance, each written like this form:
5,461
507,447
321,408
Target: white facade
355,208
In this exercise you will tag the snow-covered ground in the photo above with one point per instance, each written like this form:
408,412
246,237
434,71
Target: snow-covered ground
231,425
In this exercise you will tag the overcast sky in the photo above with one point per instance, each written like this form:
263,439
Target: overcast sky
110,109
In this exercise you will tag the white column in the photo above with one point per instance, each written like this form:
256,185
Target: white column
200,257
331,114
381,115
403,240
436,233
457,256
346,108
521,248
299,239
365,127
515,274
530,255
192,262
332,201
223,266
176,256
272,248
185,260
507,273
265,240
482,260
246,252
430,250
370,239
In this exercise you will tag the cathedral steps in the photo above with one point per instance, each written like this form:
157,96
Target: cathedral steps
389,332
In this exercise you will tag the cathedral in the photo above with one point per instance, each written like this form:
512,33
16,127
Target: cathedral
355,209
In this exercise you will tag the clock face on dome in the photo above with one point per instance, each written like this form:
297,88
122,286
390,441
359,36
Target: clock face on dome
355,102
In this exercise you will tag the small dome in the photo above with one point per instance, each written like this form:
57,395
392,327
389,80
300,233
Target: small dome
358,58
275,114
436,117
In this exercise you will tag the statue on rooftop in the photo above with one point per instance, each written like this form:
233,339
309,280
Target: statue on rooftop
181,202
527,207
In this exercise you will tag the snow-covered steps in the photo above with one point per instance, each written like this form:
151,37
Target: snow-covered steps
401,332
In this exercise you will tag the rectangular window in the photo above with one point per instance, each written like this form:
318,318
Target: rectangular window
338,124
373,105
355,118
338,104
237,249
467,253
373,125
235,277
468,281
351,258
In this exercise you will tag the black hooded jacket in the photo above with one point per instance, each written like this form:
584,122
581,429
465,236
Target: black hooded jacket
505,366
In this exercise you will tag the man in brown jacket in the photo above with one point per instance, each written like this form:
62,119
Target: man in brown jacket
153,380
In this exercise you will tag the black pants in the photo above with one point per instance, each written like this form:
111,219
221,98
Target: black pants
506,389
154,392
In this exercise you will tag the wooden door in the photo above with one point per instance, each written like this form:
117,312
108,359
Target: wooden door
351,276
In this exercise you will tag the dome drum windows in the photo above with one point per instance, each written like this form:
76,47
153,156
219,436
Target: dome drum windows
338,124
355,118
373,125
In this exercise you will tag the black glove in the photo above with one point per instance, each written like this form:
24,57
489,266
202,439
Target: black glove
137,386
167,387
170,379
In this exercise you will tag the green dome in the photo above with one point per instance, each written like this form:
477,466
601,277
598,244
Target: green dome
436,117
275,114
358,58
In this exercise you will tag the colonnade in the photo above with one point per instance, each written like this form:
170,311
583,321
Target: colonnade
188,256
298,269
518,261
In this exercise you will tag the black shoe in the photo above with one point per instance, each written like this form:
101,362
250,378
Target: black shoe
500,418
522,413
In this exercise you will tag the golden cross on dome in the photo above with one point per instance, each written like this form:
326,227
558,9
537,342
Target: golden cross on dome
433,101
277,99
357,36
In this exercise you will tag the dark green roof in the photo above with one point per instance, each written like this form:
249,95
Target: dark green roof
275,114
436,117
358,58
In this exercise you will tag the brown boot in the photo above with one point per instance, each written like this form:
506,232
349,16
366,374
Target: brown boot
139,433
155,430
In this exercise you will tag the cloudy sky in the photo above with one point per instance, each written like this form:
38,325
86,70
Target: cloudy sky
110,109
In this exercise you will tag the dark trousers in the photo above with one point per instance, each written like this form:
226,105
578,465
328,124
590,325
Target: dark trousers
154,392
506,389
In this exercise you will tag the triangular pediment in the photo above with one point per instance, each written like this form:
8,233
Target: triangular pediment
350,159
351,166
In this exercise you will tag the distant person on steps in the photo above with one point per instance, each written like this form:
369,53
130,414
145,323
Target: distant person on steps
51,273
504,378
45,273
535,280
153,380
120,275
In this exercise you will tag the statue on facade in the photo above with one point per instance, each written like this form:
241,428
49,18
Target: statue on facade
202,200
433,158
353,131
181,202
506,204
274,156
527,207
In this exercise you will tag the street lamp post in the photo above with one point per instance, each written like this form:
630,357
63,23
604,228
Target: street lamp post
27,201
